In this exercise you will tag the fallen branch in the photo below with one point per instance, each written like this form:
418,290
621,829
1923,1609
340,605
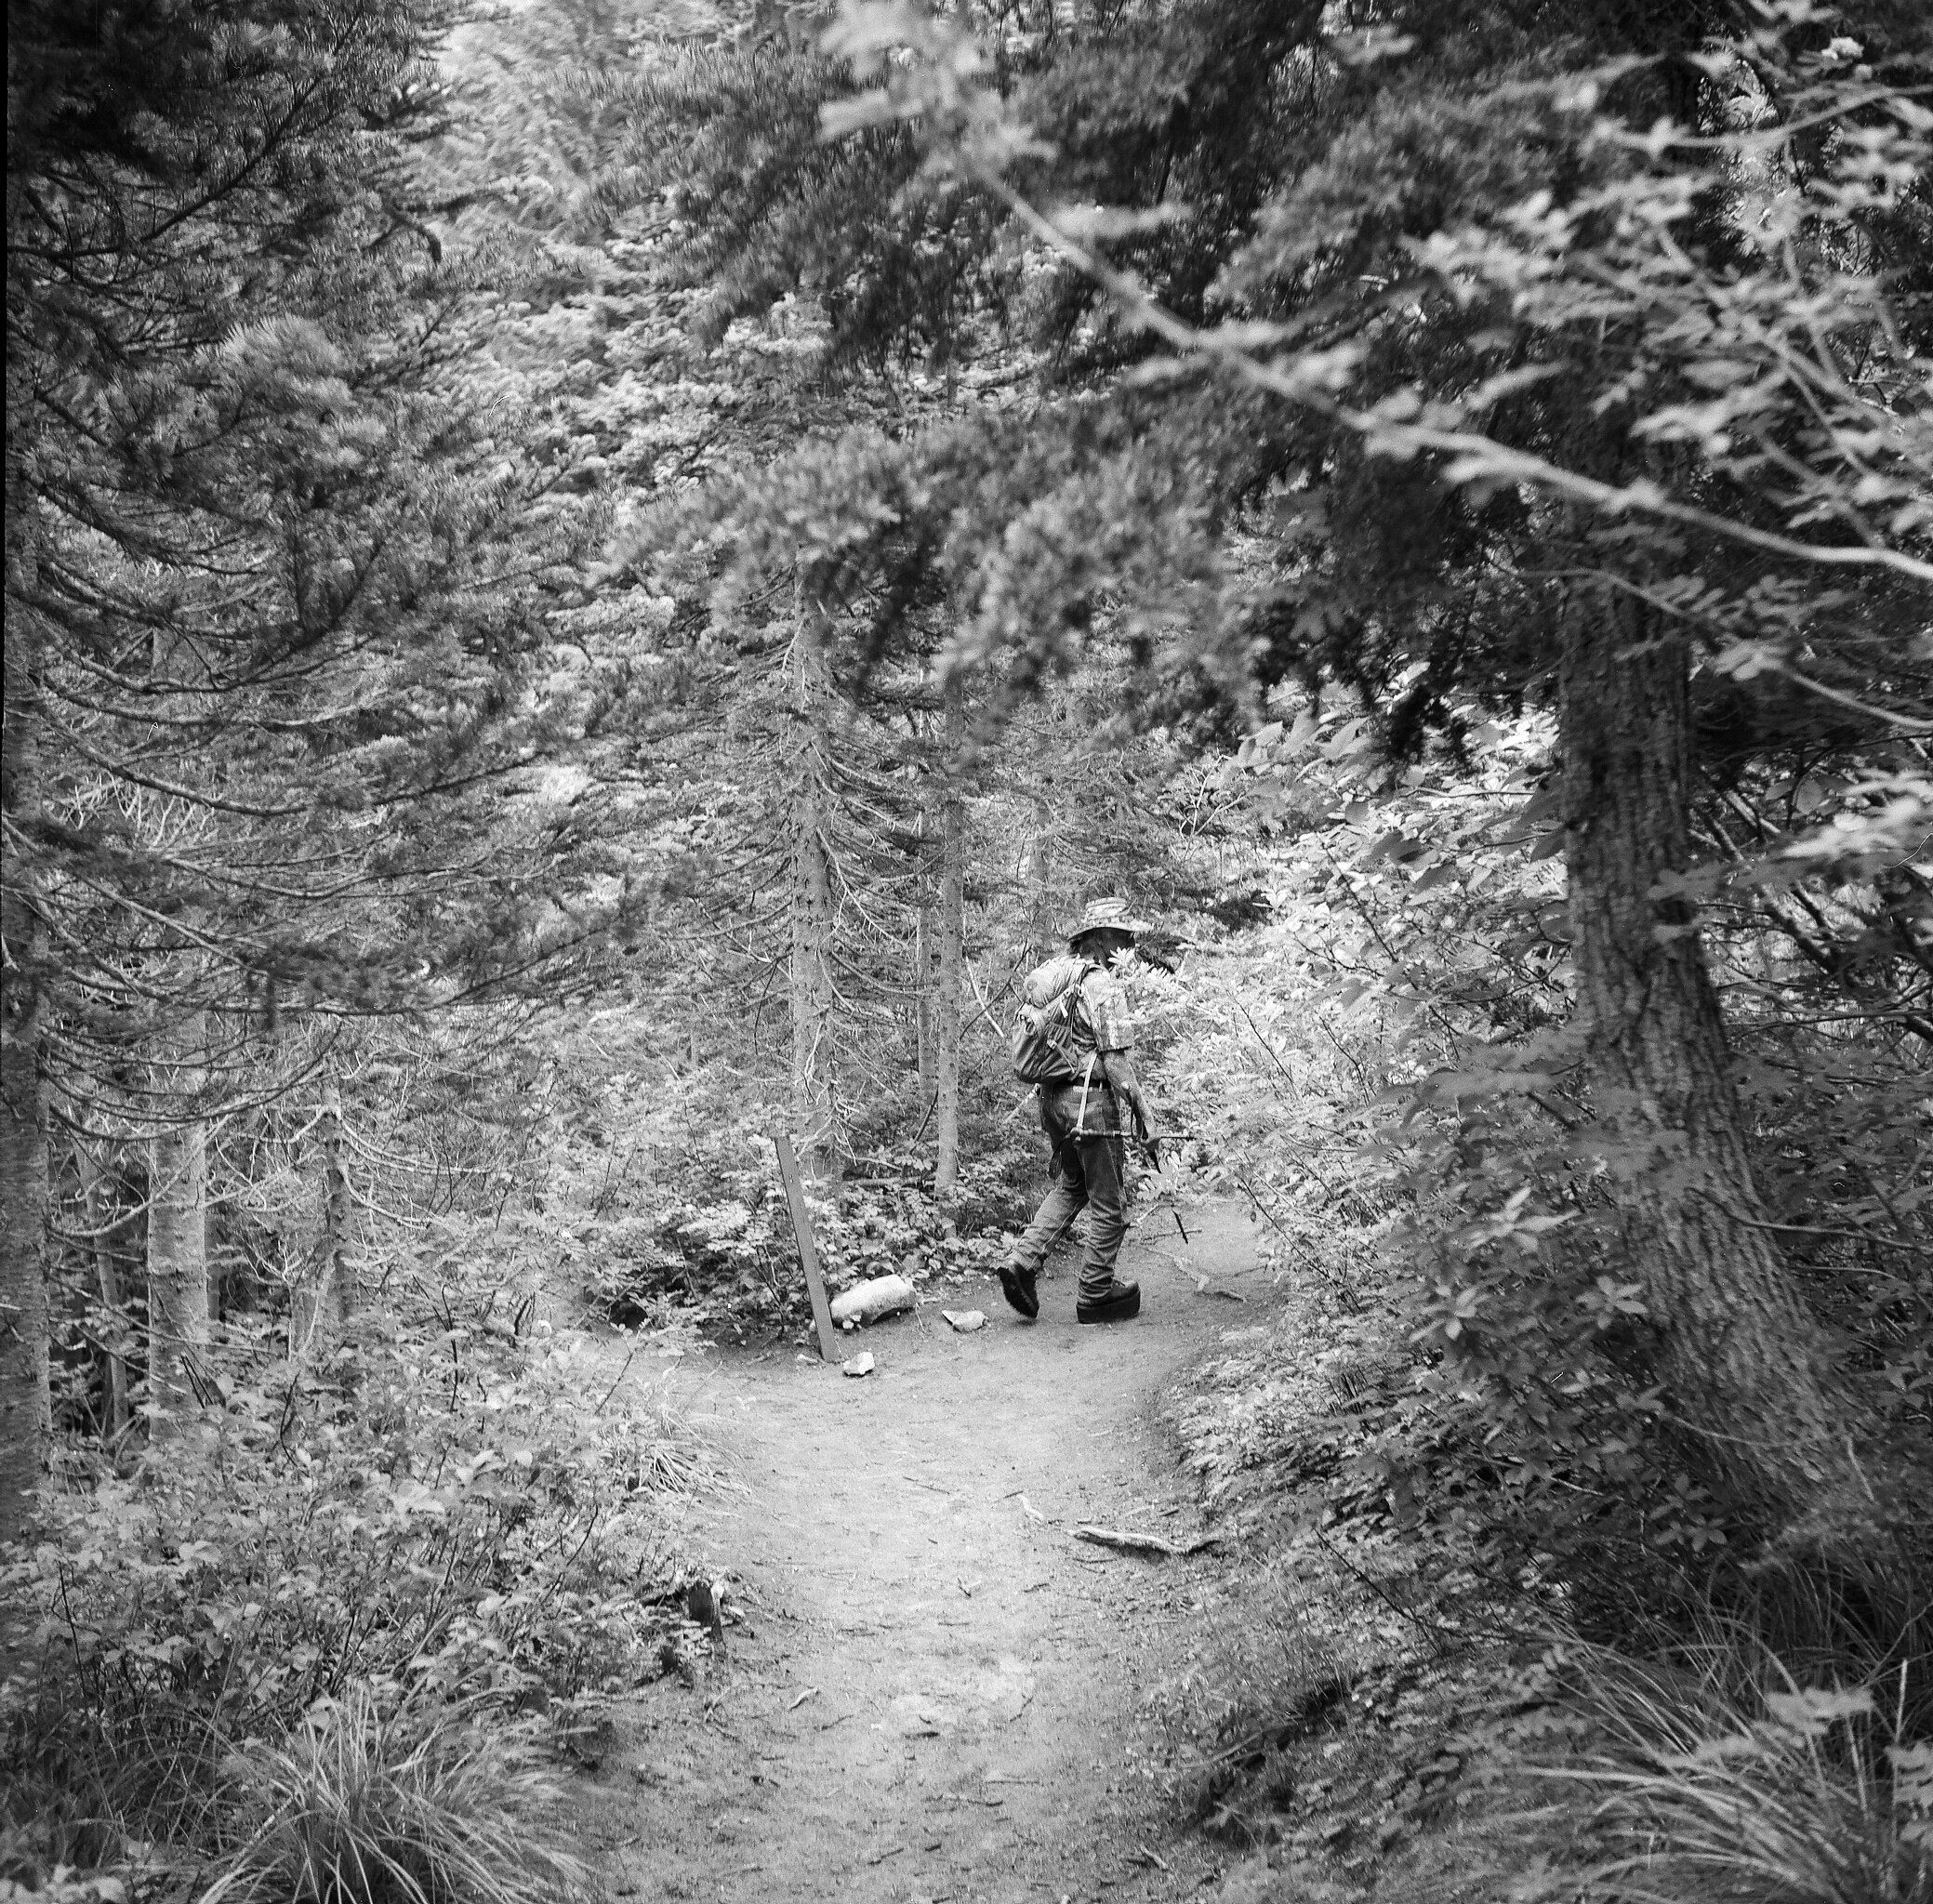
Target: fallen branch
1146,1544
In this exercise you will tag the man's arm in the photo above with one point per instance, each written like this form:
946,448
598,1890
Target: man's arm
1115,1067
1105,1010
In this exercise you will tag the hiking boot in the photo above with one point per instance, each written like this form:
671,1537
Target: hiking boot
1117,1303
1017,1286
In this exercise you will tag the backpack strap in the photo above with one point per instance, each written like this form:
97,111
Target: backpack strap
1087,1080
1081,1117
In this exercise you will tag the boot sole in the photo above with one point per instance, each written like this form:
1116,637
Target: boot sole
1019,1296
1120,1309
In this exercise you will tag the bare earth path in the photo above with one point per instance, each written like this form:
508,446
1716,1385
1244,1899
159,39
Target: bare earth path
939,1692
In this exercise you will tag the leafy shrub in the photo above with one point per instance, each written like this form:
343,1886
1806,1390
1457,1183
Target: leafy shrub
362,1804
447,1520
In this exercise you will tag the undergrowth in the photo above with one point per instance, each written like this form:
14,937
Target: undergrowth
714,1243
421,1524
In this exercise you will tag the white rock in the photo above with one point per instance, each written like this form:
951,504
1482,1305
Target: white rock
884,1295
860,1364
965,1320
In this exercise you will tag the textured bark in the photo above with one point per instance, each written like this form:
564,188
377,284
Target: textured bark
952,925
1038,869
178,1245
101,1223
922,982
1744,1361
323,1274
25,1416
337,1270
814,1107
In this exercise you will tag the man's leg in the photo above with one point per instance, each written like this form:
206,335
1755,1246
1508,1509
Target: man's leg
1100,1164
1103,1298
1062,1204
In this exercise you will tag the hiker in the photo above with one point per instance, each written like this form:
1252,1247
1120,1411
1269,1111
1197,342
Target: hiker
1072,1043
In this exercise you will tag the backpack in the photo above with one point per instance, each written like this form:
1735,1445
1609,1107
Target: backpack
1038,1044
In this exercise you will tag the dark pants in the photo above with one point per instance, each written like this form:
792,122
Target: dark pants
1088,1172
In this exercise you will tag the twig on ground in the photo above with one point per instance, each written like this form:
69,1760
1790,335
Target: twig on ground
1146,1544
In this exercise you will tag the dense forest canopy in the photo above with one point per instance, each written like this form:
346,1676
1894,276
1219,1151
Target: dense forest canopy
589,582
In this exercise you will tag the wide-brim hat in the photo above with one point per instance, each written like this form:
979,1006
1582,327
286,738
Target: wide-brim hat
1107,916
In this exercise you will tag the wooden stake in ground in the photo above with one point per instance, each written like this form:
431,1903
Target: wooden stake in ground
807,1253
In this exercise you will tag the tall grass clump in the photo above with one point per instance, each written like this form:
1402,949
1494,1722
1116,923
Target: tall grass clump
364,1806
1716,1782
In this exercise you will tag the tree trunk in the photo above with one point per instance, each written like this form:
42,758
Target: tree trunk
26,1416
923,978
814,1107
178,1244
1744,1361
337,1271
26,1422
98,1221
952,867
1038,869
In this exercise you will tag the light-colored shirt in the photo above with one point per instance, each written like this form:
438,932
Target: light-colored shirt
1097,1021
1100,1019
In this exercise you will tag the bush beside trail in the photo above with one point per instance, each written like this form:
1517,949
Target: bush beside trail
427,1534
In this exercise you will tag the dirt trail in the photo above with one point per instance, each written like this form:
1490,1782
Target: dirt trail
941,1692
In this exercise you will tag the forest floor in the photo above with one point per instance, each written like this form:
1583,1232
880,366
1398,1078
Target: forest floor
931,1689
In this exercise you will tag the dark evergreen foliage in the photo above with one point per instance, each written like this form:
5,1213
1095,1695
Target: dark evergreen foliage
276,581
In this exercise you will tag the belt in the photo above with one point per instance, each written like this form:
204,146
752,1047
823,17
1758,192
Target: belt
1087,1081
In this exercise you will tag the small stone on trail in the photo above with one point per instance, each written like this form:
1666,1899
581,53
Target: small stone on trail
861,1364
965,1320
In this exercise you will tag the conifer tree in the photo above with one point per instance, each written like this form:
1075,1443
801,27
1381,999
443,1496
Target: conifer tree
268,577
698,411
